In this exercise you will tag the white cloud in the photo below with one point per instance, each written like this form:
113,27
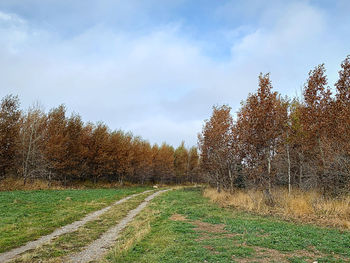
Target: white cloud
159,83
10,19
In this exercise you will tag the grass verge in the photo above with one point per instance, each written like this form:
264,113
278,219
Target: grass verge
27,215
308,207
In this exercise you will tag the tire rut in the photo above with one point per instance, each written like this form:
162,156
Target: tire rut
99,247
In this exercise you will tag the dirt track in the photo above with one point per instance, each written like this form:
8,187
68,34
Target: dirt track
100,246
9,255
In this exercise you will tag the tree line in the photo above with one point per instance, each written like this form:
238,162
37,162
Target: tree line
301,142
56,147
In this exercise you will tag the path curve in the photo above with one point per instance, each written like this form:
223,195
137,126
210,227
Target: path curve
11,254
100,246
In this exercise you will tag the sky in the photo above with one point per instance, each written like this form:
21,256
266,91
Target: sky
156,67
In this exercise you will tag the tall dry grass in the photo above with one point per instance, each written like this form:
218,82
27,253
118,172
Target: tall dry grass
302,206
11,184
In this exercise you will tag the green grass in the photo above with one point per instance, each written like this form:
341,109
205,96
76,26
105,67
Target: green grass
243,237
75,241
27,215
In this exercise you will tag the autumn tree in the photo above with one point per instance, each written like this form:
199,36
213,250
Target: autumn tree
56,144
193,164
317,121
163,163
141,160
73,139
32,136
342,118
9,134
121,154
215,143
260,123
296,142
96,150
181,163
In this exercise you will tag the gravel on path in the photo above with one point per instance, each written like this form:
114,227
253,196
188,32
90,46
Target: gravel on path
100,246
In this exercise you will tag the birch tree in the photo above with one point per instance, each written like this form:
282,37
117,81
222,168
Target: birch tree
32,136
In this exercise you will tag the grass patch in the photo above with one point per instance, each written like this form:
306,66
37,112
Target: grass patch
183,226
27,215
75,241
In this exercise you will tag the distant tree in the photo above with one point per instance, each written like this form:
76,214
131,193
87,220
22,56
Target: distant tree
342,127
155,164
9,134
32,135
193,164
181,163
141,160
56,140
215,144
296,137
260,125
97,151
163,163
74,133
317,121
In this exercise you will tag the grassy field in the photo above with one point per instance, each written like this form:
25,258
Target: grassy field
179,226
56,250
27,215
183,226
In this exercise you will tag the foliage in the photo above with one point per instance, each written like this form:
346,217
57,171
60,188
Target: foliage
57,148
274,141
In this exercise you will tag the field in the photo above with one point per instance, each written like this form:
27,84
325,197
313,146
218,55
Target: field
184,227
26,215
177,226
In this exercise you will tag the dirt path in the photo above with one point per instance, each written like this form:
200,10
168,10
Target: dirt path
100,246
9,255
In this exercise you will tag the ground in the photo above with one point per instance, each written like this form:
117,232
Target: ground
183,226
27,215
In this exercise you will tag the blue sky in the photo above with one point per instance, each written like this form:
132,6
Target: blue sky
156,67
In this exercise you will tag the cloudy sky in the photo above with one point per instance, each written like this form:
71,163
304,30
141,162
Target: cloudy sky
156,67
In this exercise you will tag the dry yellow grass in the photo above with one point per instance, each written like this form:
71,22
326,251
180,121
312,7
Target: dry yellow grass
302,206
11,184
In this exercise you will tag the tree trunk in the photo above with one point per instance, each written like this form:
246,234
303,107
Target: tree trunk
231,180
289,179
323,174
300,169
267,193
269,173
26,161
218,186
49,179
